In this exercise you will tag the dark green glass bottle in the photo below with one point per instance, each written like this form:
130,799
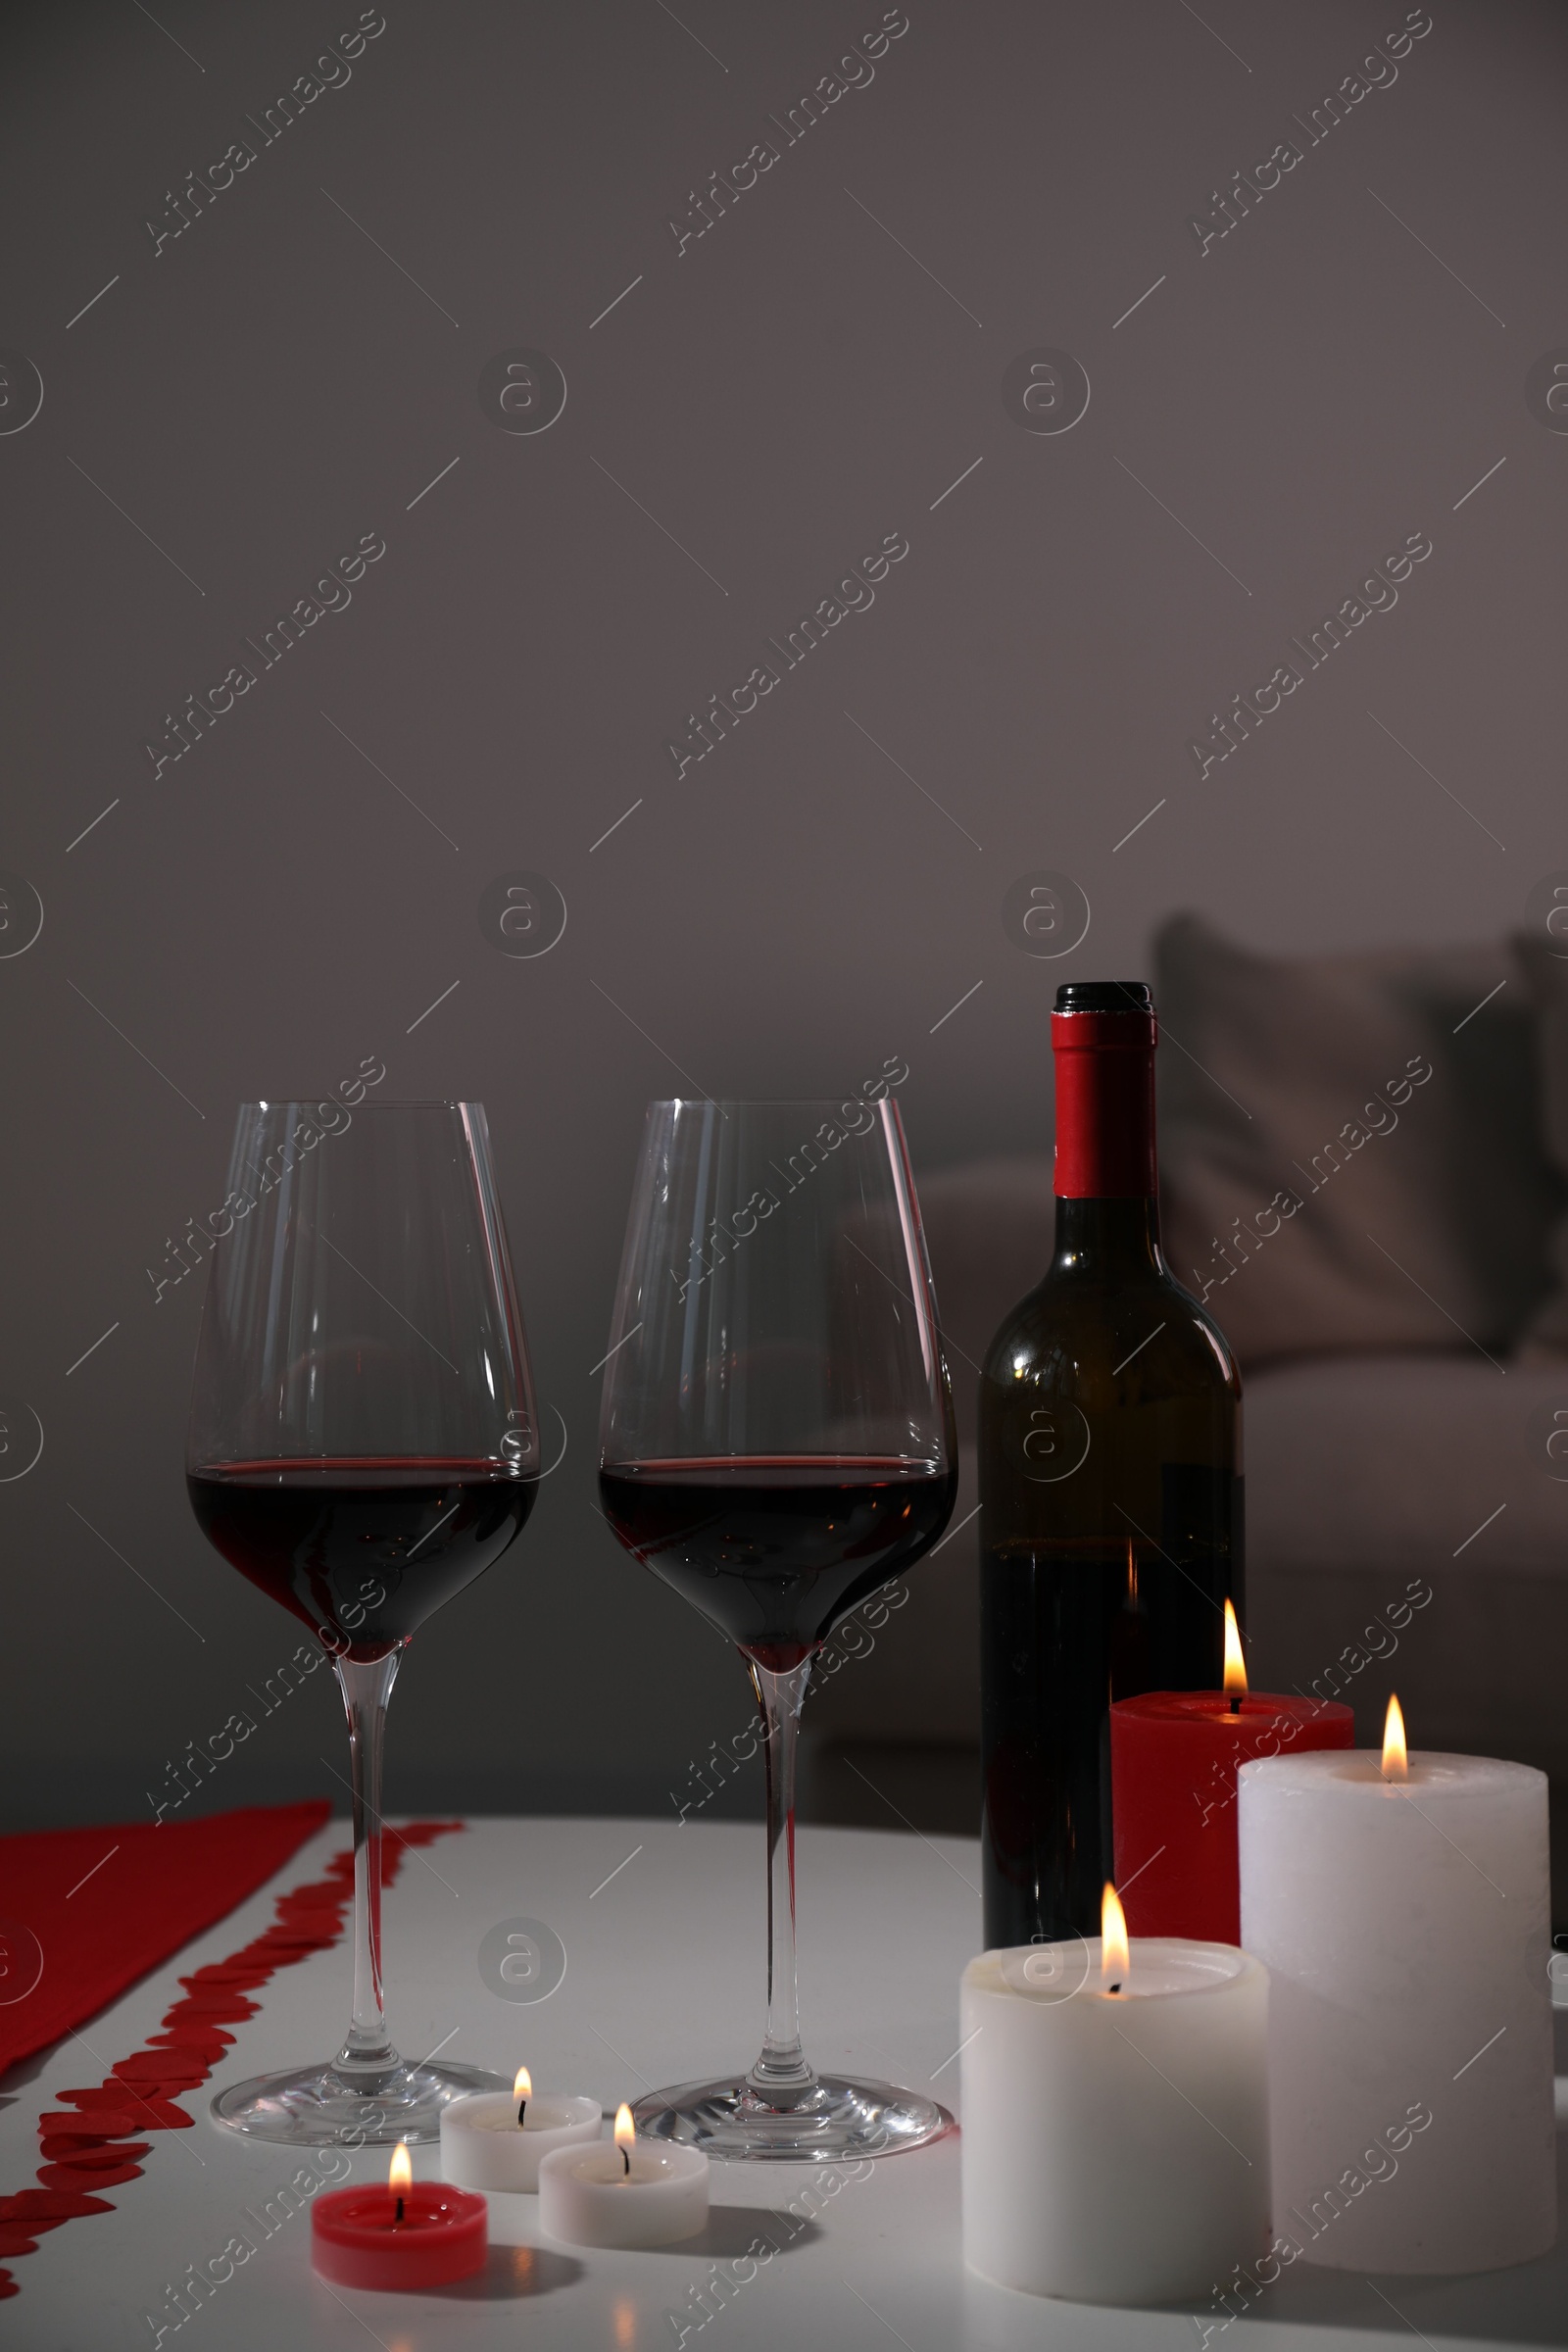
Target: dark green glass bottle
1111,1485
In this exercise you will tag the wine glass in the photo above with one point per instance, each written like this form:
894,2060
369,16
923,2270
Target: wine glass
776,1443
363,1444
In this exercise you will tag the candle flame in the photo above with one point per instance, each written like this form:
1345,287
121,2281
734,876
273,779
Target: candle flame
400,2172
1396,1755
1234,1663
522,2089
625,2130
1114,1955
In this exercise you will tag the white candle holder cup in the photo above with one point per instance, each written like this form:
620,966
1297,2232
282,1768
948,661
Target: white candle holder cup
483,2146
1406,1922
1115,2144
649,2195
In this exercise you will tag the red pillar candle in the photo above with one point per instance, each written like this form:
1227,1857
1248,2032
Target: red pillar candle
1173,1761
408,2236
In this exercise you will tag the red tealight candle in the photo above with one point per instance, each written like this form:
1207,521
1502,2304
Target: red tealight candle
1173,1759
409,2235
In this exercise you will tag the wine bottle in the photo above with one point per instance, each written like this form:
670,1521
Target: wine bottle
1111,1485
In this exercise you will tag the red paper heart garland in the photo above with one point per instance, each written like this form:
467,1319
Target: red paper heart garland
88,2141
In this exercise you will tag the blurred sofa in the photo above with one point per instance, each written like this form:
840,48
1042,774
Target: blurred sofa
1365,1172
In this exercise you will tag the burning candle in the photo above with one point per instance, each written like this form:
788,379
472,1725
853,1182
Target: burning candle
1402,1905
410,2235
1173,1761
489,2140
1115,2109
623,2194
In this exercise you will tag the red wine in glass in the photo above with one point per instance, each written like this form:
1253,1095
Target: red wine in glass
776,1550
361,1551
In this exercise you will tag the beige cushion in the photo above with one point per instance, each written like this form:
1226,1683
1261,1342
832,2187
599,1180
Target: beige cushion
1548,972
1349,1146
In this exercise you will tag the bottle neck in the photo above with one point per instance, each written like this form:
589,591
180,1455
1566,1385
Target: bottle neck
1105,1107
1107,1239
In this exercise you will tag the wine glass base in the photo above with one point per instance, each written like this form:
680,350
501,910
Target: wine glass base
323,2106
836,2120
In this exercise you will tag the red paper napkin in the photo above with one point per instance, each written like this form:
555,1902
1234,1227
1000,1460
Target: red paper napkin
83,1913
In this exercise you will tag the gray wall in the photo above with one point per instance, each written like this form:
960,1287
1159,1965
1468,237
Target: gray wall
250,396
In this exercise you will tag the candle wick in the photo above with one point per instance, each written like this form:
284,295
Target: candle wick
1115,1987
398,2216
626,2161
1235,1704
522,2109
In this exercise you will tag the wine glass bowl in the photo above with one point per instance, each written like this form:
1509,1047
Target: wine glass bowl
774,1551
363,1444
776,1444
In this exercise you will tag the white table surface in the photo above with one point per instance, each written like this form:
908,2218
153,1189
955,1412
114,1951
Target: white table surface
663,1984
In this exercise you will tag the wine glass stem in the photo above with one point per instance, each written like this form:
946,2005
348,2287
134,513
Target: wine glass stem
781,2075
367,1686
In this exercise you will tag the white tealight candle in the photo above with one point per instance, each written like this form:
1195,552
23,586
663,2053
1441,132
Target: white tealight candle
1115,2116
491,2142
623,2194
1402,1905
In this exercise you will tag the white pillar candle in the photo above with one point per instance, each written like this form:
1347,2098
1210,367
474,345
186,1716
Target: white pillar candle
483,2145
1405,1927
625,2192
1115,2144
